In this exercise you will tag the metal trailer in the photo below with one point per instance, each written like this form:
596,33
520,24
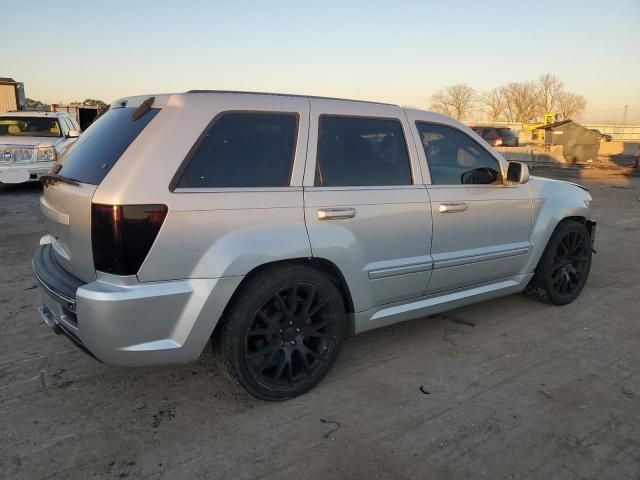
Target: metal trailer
84,114
580,144
11,95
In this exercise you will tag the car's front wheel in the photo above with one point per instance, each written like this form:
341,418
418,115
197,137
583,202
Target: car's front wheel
564,266
282,332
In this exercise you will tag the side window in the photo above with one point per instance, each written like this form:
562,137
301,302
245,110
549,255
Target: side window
243,150
358,151
454,158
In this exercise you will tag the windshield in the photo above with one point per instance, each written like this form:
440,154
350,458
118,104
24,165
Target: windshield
29,127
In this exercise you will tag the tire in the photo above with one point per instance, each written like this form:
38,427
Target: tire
282,332
564,266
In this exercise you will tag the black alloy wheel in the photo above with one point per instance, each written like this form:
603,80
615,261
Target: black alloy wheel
283,332
291,335
565,264
571,261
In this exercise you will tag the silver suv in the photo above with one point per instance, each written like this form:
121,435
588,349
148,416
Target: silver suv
276,225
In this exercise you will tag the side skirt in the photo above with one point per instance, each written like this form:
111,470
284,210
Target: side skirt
433,304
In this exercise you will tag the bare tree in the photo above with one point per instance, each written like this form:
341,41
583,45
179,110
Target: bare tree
495,103
521,101
440,103
455,100
549,90
571,104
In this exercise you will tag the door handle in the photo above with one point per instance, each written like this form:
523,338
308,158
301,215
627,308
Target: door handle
336,213
452,207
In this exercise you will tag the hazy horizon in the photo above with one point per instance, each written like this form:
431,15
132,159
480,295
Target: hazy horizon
400,53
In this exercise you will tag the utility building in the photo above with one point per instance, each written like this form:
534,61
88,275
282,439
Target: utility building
579,143
11,95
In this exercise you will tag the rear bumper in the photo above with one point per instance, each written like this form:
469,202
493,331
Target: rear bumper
58,309
123,322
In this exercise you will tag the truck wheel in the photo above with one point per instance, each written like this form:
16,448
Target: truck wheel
564,267
282,332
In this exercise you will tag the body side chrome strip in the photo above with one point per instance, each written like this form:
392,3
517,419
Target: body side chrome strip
393,271
456,258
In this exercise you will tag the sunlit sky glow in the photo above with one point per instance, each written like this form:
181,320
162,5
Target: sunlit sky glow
399,52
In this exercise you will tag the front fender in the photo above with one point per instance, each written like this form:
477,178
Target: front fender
553,201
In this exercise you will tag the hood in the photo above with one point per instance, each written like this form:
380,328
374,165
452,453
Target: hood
545,179
6,140
553,186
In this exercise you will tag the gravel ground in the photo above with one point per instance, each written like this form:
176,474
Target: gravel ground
508,388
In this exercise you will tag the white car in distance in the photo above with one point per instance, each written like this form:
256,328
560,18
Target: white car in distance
31,142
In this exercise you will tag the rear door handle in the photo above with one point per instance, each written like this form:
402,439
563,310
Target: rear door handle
453,207
336,213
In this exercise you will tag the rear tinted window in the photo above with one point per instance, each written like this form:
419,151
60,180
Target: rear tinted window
356,151
243,150
98,149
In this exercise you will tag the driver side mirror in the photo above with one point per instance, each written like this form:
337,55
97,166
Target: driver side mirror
73,134
517,172
480,176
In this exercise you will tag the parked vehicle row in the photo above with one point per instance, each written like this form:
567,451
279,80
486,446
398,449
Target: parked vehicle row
276,225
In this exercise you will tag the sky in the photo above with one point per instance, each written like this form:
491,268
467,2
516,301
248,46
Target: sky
392,51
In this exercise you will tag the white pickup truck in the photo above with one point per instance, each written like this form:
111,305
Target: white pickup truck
30,143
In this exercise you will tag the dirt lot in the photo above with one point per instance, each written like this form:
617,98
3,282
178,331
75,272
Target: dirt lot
508,388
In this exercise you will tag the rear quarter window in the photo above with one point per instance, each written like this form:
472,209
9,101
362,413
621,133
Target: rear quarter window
242,150
98,149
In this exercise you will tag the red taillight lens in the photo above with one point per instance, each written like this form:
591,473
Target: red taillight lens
121,235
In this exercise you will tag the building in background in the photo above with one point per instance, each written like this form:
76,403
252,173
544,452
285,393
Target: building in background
11,95
580,143
85,115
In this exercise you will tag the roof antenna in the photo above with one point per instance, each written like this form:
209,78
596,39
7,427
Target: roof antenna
142,109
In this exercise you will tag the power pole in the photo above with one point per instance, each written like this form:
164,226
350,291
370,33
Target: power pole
624,115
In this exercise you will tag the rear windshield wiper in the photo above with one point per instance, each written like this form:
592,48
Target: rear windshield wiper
51,178
142,109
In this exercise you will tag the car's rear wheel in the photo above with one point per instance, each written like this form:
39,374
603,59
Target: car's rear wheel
282,332
565,264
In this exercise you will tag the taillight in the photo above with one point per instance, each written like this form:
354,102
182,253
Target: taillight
121,235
